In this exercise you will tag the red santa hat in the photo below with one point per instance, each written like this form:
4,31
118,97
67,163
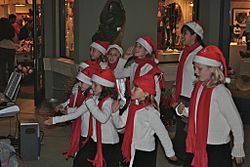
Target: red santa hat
148,43
102,46
212,56
119,48
196,27
146,83
85,75
105,78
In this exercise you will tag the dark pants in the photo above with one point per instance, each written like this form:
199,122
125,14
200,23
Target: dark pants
89,152
7,61
219,155
144,159
179,142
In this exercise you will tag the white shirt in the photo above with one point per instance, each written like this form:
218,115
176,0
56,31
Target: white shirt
224,118
147,123
109,132
188,76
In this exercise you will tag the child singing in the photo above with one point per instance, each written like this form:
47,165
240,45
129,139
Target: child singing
74,111
212,114
142,120
102,140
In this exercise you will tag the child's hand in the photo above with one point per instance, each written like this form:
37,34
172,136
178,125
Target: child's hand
59,108
115,106
49,121
173,158
238,160
128,53
181,108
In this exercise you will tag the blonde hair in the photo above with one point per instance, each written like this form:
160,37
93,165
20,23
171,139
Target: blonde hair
151,100
217,77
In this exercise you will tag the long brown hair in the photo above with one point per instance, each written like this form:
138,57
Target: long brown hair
150,99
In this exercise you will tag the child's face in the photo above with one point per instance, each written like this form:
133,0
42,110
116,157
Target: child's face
113,55
84,86
94,53
97,88
138,93
187,38
139,51
202,72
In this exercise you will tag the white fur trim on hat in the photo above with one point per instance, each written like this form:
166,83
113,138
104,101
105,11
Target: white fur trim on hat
83,65
102,81
196,28
145,44
116,47
98,47
207,61
84,78
227,80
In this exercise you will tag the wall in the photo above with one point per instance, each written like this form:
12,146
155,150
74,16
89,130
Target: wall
86,23
209,16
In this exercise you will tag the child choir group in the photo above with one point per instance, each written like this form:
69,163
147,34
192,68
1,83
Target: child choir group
102,135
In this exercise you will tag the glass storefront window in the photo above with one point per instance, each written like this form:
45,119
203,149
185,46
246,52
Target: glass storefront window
171,17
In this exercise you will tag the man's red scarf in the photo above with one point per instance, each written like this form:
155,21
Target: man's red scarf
129,129
154,71
99,160
76,124
196,141
179,77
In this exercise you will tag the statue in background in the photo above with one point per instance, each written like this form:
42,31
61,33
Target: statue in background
112,22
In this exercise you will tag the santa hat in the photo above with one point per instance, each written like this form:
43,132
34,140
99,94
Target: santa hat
119,48
101,46
105,78
85,75
147,43
212,56
196,27
146,83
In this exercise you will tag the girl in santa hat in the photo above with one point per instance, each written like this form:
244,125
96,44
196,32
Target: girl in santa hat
74,110
98,51
144,64
101,144
142,120
212,114
192,35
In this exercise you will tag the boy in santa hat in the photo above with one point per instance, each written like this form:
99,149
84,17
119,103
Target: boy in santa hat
212,114
142,120
192,35
102,141
144,64
75,111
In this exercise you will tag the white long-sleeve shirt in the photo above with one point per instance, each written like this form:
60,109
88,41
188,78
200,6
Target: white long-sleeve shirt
122,72
223,118
109,132
188,76
147,123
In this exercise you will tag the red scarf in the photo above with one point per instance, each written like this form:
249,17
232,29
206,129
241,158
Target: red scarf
187,50
112,66
154,71
76,124
196,141
99,160
129,129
